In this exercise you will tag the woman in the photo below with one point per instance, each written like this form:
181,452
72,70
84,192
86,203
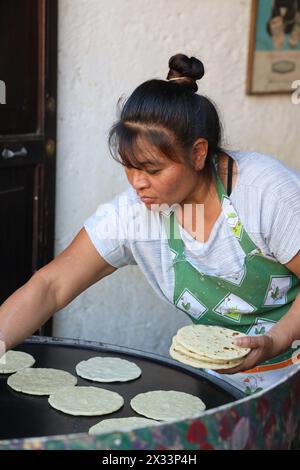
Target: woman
237,265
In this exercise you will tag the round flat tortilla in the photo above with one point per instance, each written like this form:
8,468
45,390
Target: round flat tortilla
200,364
212,342
108,369
121,424
13,361
167,405
177,346
43,381
86,401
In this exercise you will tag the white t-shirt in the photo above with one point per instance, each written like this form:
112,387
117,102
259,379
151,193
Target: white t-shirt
266,197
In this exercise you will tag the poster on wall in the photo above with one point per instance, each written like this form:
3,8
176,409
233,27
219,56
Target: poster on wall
274,49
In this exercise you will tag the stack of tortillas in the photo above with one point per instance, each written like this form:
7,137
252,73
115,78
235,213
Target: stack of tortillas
207,347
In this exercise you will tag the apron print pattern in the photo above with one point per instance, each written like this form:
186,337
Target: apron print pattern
277,290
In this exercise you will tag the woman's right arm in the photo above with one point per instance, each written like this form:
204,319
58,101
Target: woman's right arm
50,289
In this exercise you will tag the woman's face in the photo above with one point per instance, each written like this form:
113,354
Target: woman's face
163,181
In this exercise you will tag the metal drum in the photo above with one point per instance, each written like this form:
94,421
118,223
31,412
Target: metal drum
269,419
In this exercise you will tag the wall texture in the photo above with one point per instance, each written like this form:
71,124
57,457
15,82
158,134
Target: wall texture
106,49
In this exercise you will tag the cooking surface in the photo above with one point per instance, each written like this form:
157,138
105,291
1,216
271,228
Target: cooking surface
31,416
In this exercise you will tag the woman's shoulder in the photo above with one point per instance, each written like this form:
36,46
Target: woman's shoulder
126,198
260,169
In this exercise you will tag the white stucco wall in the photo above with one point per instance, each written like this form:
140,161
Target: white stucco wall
106,49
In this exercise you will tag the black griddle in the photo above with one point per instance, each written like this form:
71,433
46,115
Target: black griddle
25,415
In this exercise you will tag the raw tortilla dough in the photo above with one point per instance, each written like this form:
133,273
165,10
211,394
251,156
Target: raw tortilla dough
167,405
108,369
40,381
121,424
13,361
86,401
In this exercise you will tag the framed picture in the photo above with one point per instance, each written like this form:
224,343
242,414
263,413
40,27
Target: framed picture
274,49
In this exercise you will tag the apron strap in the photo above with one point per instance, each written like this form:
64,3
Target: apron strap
173,234
229,176
232,218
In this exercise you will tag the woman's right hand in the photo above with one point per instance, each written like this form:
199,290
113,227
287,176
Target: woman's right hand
50,289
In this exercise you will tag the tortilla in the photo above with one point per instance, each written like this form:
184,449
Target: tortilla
108,369
43,381
201,364
86,401
212,342
177,346
167,405
13,361
120,424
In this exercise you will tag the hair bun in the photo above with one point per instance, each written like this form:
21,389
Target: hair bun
182,66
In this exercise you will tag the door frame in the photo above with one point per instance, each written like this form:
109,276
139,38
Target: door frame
42,143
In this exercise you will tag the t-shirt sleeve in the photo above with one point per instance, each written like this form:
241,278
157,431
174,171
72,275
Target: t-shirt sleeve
282,215
107,232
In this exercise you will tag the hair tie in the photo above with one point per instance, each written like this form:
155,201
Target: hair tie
181,78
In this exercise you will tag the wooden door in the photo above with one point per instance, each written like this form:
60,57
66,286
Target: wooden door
28,69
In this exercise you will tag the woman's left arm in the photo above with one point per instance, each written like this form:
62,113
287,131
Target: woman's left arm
278,339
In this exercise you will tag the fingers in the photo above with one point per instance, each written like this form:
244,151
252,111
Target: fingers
250,361
260,348
233,370
252,342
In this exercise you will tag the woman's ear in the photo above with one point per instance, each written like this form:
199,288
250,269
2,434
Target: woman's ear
200,149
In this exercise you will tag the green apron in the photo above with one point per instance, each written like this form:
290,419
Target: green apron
252,302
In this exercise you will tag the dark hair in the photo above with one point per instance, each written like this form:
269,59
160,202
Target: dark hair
170,116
